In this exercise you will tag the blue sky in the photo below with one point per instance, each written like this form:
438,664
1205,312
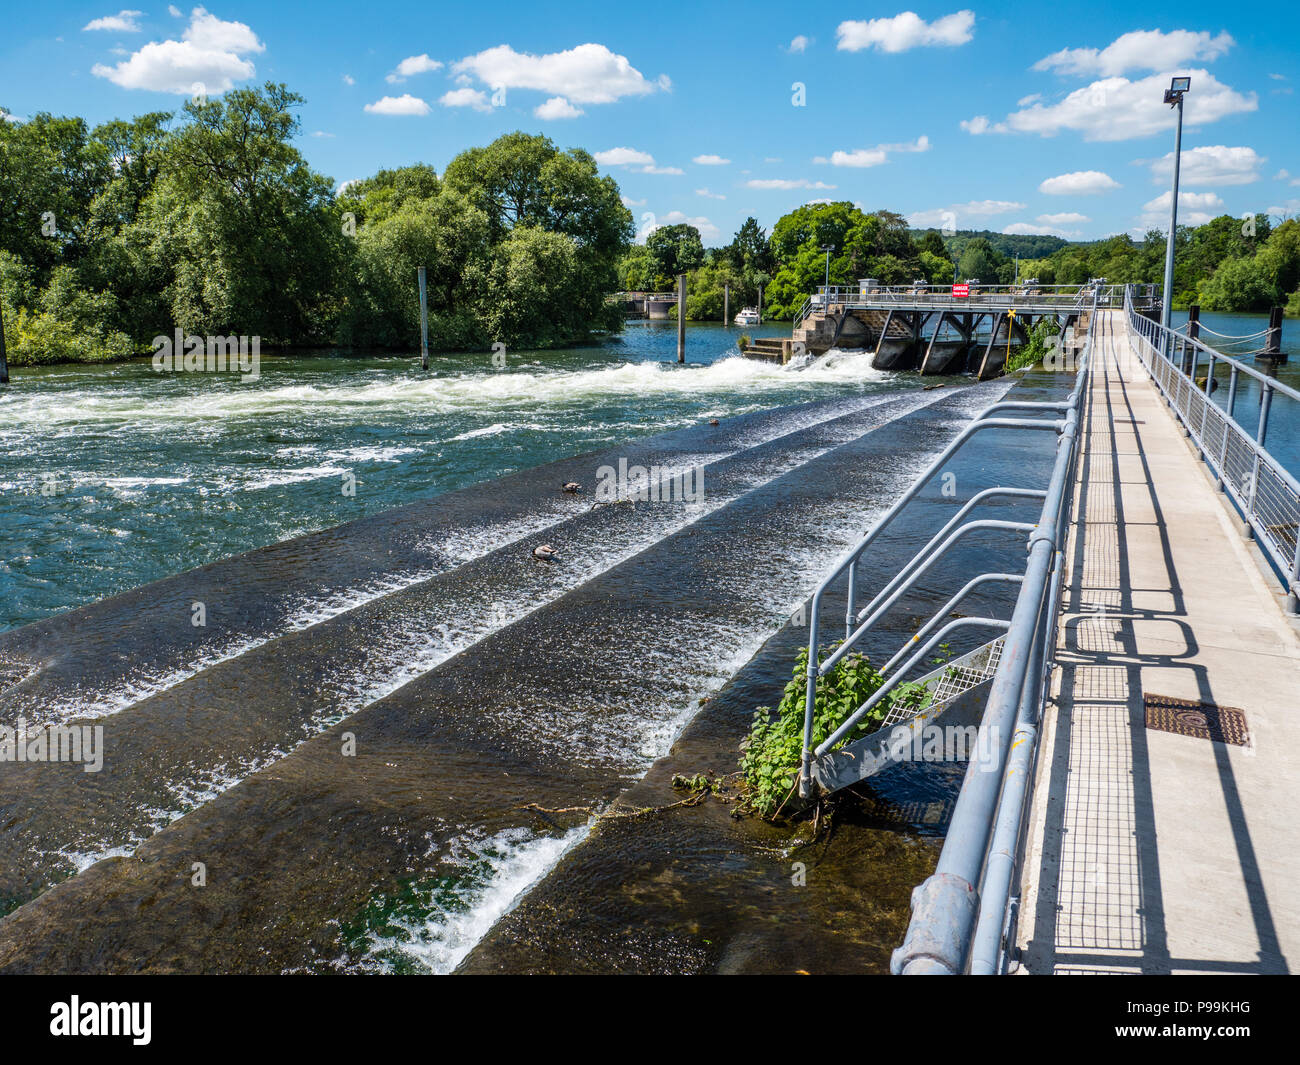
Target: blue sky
1020,117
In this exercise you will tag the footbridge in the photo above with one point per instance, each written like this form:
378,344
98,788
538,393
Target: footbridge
1131,807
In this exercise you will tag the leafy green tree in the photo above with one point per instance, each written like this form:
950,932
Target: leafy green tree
980,261
674,250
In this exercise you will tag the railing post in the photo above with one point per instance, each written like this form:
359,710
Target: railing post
1292,599
1265,402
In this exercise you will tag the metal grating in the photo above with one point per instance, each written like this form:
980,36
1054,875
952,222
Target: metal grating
1205,721
969,671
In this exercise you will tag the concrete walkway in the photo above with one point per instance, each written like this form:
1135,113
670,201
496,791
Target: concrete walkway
1151,851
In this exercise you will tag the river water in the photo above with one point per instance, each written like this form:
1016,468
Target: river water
111,477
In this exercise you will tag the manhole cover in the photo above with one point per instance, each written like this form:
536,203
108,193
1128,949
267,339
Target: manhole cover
1223,724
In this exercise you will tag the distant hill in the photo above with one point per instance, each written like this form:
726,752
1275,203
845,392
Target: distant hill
1026,246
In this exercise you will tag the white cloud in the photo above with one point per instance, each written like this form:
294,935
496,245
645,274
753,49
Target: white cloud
1115,109
1064,218
799,44
321,133
1215,164
710,160
210,57
473,98
980,124
1079,183
557,107
786,183
1203,200
412,65
904,31
1290,208
406,104
864,157
955,213
174,11
348,79
652,169
1029,230
710,195
1193,209
587,74
708,230
623,157
1139,50
122,22
628,202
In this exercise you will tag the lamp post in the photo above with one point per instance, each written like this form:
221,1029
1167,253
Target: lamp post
828,248
1178,87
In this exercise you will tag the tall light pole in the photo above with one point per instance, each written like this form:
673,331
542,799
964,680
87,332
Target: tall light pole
1174,97
828,248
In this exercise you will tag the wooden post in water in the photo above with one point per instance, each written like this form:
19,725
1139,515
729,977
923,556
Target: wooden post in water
4,361
760,304
681,317
424,319
726,303
1272,346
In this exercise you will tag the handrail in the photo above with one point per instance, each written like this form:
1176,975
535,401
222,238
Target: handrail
947,608
949,908
848,561
1265,493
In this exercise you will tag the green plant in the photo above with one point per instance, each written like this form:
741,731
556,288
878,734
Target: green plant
1040,342
742,342
771,755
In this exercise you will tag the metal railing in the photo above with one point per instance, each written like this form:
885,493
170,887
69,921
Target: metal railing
1263,491
962,916
951,926
981,298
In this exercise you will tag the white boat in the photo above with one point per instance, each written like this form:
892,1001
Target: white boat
749,316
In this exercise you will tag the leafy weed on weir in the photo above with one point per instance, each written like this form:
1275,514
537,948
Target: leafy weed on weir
771,754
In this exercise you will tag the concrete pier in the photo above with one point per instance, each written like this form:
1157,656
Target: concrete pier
1151,851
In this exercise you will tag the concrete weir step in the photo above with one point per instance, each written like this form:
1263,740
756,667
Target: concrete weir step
694,889
174,745
560,708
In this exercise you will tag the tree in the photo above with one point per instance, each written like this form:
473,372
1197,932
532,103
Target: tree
980,262
674,250
248,232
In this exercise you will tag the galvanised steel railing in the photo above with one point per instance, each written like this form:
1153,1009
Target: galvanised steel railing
858,623
1266,494
962,917
963,914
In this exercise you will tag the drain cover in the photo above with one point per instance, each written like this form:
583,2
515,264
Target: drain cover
1205,721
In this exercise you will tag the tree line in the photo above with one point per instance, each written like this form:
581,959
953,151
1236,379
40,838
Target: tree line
1227,264
211,221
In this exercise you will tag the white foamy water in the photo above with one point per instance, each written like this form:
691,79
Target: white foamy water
493,875
531,387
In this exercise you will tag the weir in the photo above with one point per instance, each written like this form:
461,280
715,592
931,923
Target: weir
937,329
451,747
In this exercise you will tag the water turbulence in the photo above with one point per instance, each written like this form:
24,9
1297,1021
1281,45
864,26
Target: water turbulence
398,725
